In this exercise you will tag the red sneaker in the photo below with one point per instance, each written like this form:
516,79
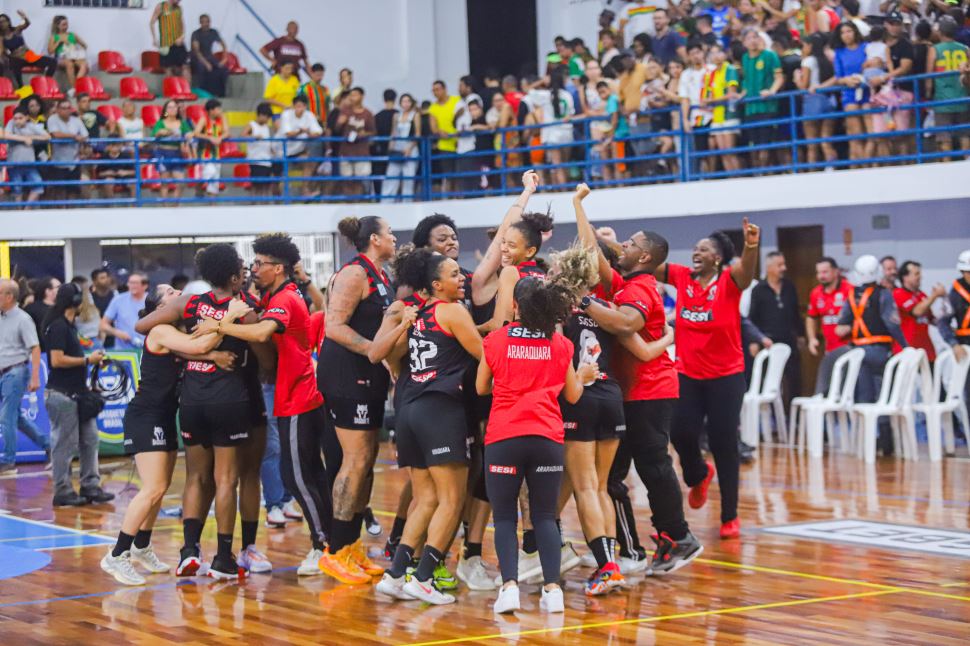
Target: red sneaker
731,529
697,497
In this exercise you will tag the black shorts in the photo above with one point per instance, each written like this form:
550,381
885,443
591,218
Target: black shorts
62,174
256,170
147,431
432,430
760,135
593,419
177,55
215,424
356,415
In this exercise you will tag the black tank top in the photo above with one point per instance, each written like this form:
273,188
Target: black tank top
592,344
414,300
438,361
204,381
158,386
530,268
343,373
484,313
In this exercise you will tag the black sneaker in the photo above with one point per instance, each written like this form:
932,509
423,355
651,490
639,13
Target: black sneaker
672,555
226,569
389,549
70,500
97,496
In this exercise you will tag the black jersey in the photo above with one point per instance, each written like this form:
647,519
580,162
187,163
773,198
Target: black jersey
158,386
414,300
530,268
437,360
204,381
342,373
592,344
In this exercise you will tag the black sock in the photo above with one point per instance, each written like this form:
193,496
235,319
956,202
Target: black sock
599,547
612,550
191,533
429,561
316,542
224,541
143,538
472,549
397,529
345,532
358,526
402,559
249,528
562,539
529,541
123,544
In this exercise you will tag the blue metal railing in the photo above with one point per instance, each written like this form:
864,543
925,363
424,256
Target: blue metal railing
322,174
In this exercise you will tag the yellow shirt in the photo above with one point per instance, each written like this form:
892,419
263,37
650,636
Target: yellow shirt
283,91
444,117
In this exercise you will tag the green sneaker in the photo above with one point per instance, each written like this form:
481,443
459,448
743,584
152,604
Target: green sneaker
443,579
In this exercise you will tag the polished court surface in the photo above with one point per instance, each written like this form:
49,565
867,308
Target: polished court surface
886,574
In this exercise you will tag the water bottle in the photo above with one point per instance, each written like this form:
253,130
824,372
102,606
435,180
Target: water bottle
32,405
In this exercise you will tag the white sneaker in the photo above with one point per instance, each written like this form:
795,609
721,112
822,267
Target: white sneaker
472,572
588,560
310,565
275,518
147,559
508,600
121,569
393,588
552,600
292,510
374,528
426,592
570,558
632,566
254,561
529,568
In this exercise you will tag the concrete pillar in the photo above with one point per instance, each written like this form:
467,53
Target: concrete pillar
81,256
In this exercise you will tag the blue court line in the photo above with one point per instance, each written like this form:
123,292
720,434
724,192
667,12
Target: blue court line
90,595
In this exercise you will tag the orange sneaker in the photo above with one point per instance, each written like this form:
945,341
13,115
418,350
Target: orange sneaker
698,493
342,566
731,529
359,553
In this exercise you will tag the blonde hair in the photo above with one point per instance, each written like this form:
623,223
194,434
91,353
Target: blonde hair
88,311
577,269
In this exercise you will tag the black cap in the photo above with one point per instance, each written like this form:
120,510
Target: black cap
894,16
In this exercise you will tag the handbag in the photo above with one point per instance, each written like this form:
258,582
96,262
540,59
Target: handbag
89,405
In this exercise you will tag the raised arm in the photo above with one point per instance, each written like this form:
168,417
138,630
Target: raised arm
742,272
169,313
348,290
394,328
588,237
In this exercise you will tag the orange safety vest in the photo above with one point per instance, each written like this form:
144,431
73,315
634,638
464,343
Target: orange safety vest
964,329
860,331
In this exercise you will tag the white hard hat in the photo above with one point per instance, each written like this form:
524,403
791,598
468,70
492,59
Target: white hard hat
963,262
867,269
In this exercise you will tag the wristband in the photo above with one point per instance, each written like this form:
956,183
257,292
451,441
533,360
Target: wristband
751,246
585,302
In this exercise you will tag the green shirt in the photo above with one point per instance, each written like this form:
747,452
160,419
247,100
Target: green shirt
171,141
758,74
576,66
949,57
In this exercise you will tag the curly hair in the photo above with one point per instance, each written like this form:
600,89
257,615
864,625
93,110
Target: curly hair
218,264
279,246
532,226
542,305
724,246
578,269
422,233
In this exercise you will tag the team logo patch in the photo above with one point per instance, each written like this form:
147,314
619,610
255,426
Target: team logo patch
362,416
553,468
502,470
276,310
159,436
441,450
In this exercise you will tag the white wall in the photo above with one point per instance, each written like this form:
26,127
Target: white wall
567,18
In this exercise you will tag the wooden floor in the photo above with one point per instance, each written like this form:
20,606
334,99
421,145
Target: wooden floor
762,589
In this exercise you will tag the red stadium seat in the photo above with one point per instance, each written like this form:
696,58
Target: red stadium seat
194,113
6,90
150,114
241,171
150,177
8,113
176,87
110,112
151,62
231,61
135,88
46,87
231,150
112,62
91,86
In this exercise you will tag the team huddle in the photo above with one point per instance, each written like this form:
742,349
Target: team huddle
515,388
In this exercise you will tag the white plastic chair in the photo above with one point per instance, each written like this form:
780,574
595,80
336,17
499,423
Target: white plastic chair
818,414
764,396
939,414
898,381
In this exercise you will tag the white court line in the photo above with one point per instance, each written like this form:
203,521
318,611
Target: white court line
50,524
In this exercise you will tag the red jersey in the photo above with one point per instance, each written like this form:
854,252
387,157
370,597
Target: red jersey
708,325
616,284
318,330
916,329
529,372
296,381
826,307
649,380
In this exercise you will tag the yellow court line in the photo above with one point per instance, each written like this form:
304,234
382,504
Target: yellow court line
803,575
930,593
956,584
683,615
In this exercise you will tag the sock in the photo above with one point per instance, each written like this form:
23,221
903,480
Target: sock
343,534
429,561
397,529
562,538
529,545
358,522
249,528
599,547
224,541
123,544
143,538
317,543
612,553
402,559
472,549
191,533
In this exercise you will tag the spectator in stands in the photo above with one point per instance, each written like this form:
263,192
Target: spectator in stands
317,94
20,134
819,17
122,314
705,30
889,272
484,143
618,129
655,98
693,96
775,311
282,87
463,123
608,48
170,40
553,107
605,23
667,43
816,72
571,58
850,56
210,132
761,77
949,56
722,84
69,49
954,326
129,124
633,75
97,124
286,49
45,293
718,17
402,153
210,74
299,124
636,17
490,87
346,78
17,54
356,125
442,113
102,289
67,133
642,48
915,307
261,152
172,134
384,121
116,164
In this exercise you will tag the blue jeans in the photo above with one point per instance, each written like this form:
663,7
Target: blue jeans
13,385
274,493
